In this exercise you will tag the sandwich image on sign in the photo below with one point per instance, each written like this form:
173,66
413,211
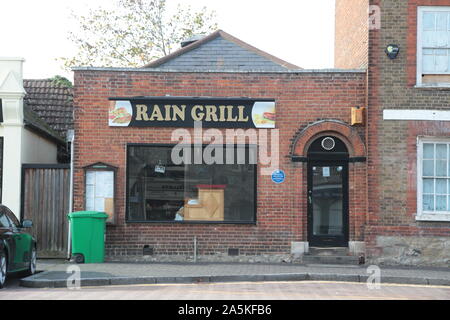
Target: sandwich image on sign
120,113
263,114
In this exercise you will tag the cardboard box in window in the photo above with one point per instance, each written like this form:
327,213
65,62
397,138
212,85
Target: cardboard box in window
209,206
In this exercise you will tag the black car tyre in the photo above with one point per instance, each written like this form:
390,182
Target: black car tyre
3,269
32,267
78,258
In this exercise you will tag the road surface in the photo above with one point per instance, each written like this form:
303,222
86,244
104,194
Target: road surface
297,290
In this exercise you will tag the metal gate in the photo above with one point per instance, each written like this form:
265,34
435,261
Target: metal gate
45,200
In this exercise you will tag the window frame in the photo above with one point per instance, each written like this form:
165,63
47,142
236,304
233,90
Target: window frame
187,222
419,53
422,215
102,167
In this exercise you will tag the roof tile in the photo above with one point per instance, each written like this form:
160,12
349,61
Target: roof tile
52,102
220,51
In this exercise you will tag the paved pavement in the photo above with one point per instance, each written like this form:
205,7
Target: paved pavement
57,272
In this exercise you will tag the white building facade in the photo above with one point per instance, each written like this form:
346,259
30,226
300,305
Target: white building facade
18,144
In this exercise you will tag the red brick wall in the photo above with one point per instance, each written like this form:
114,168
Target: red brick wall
391,144
351,34
302,99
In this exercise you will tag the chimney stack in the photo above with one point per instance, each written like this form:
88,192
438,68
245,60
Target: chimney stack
192,39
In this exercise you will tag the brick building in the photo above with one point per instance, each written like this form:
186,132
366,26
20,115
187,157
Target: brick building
351,40
408,125
158,208
377,186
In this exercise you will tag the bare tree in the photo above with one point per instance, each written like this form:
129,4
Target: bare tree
134,33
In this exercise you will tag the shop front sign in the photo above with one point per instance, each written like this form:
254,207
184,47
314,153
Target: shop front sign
185,111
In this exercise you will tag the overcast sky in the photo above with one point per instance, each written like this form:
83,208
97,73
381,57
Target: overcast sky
298,31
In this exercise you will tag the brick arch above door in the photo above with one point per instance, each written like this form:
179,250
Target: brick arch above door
303,138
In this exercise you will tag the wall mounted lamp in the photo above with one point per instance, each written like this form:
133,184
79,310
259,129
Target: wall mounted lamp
392,51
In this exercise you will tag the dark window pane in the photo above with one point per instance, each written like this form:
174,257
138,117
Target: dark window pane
159,190
4,221
327,197
14,222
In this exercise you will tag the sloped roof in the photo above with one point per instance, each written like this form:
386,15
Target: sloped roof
52,102
35,123
220,51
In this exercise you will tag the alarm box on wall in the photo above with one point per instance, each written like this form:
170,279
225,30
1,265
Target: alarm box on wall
358,116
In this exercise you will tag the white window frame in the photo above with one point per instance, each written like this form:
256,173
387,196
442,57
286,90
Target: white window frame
421,214
419,63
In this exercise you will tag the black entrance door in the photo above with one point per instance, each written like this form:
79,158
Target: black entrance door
328,195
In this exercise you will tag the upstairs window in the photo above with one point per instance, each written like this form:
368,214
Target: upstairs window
433,46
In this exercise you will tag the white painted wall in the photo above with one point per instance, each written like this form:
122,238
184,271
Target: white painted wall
19,144
12,168
12,93
36,149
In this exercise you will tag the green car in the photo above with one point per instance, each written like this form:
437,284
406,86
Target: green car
17,248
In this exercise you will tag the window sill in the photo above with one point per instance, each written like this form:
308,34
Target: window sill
438,217
192,222
441,86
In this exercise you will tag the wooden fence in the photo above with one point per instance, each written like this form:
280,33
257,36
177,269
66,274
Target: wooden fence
45,200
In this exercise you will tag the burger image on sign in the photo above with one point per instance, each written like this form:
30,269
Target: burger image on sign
263,114
120,113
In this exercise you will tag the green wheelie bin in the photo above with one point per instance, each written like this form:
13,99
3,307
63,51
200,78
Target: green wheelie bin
88,236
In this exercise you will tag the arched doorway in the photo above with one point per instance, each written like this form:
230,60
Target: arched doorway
328,205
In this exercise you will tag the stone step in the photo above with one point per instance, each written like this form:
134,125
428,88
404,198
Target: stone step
328,251
316,259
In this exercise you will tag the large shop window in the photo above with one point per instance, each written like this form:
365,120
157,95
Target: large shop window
158,190
433,46
433,185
